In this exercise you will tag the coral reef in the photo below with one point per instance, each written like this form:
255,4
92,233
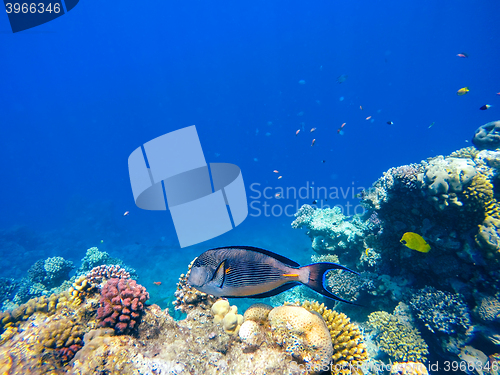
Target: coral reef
487,136
94,258
441,311
349,350
43,278
401,342
488,308
104,272
328,228
56,271
7,287
121,304
444,178
304,335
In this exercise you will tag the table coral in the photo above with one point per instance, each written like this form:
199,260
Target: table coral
401,342
121,304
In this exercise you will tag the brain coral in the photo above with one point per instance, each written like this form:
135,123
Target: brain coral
349,350
303,334
487,136
121,304
399,341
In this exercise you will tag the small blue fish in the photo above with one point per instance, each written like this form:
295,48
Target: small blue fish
245,271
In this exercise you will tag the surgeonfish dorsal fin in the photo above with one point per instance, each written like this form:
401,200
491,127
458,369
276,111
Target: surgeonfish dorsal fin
281,258
219,274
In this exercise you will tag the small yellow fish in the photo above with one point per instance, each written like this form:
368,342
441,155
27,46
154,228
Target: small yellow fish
368,249
415,241
463,91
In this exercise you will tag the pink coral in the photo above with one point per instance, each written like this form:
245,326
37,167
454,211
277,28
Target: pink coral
121,304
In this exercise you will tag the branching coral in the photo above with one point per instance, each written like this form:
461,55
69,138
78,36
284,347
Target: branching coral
121,304
399,341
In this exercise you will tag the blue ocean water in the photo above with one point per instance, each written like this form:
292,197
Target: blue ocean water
80,93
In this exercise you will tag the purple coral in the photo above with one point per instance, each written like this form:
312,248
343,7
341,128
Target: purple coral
97,274
121,304
406,176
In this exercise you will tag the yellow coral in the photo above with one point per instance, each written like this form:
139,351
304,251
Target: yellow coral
465,153
220,308
303,334
479,193
40,304
488,236
399,341
81,288
349,350
228,315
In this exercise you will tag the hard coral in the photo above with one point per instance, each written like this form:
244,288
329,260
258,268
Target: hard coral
104,272
489,308
444,178
400,341
328,228
465,153
228,315
64,336
303,334
441,311
121,304
349,350
487,136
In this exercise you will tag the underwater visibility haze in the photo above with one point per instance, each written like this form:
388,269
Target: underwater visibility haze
367,135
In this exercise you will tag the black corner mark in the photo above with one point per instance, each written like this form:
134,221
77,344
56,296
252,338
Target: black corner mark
25,14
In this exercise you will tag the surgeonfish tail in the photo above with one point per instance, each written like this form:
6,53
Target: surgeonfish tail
317,278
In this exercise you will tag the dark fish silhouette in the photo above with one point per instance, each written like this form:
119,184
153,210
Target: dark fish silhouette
244,271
